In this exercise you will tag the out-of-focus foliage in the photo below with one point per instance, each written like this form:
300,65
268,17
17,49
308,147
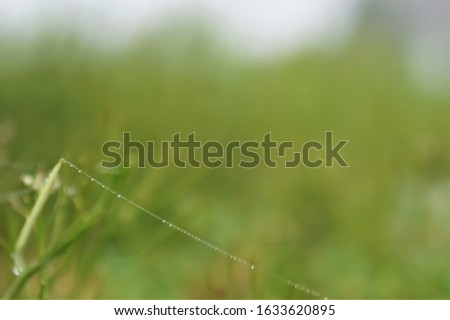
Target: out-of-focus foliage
379,229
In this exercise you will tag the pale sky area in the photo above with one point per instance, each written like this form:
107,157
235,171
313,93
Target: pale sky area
260,28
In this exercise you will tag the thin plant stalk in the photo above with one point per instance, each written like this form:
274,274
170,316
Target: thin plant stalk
71,236
30,222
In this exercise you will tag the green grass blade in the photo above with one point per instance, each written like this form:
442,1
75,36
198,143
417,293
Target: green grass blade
30,222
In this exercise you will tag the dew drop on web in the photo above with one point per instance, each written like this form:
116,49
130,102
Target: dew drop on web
19,266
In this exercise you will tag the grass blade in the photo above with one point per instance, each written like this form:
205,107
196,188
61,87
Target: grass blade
27,228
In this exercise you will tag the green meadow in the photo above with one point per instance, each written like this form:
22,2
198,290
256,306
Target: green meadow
378,229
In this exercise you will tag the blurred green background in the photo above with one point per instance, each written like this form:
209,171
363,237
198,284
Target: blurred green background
376,230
